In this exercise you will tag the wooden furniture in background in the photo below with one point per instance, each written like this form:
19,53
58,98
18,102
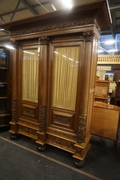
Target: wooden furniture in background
116,74
101,90
5,87
105,121
109,59
117,94
65,39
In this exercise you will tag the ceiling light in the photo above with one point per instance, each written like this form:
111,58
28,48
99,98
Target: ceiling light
112,50
109,42
70,6
42,6
67,3
54,8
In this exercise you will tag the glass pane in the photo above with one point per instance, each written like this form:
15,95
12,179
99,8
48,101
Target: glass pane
65,74
30,75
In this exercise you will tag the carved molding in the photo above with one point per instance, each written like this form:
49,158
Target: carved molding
61,119
67,37
59,25
14,110
29,111
28,131
81,128
12,127
42,118
63,134
40,137
60,142
27,123
78,151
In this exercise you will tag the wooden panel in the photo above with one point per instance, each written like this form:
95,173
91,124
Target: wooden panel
62,119
29,110
61,142
28,131
105,122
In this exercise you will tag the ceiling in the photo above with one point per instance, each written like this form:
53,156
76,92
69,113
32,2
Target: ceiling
13,10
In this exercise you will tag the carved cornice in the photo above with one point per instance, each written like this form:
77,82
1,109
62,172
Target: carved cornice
67,37
55,26
14,110
42,118
82,128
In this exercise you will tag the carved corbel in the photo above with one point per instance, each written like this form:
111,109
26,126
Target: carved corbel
88,36
43,40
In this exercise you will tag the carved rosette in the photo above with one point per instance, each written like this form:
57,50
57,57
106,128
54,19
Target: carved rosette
81,128
14,110
88,36
42,118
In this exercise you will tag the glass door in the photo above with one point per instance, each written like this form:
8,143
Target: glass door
30,75
65,75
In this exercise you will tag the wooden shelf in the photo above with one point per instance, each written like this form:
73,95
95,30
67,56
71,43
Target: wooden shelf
3,68
3,82
5,88
4,114
3,97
